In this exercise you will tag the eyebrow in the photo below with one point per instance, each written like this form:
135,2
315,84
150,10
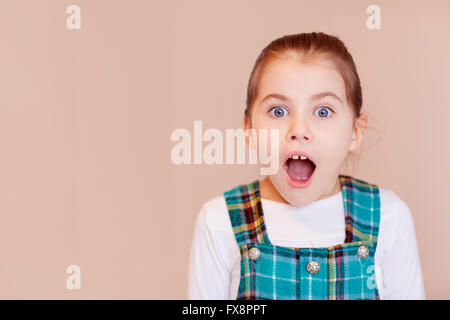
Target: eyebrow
316,96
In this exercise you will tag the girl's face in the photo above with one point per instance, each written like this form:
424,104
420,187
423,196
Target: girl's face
307,103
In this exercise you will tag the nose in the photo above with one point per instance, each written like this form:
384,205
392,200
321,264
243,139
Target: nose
298,130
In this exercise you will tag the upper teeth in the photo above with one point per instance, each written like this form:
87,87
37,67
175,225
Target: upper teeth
296,157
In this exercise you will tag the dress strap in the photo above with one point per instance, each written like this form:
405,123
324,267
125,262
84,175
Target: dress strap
362,209
245,211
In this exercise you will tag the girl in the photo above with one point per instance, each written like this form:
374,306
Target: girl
307,231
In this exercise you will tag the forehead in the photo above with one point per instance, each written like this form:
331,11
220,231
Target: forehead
299,81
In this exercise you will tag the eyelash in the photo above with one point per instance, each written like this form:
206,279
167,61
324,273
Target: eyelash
321,107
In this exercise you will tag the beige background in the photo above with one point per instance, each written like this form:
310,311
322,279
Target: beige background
86,117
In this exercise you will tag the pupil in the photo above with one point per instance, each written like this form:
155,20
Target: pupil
322,112
278,112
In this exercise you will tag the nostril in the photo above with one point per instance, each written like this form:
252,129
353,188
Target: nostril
305,137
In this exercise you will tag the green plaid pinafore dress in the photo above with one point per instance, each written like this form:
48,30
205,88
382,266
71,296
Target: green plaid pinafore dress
343,271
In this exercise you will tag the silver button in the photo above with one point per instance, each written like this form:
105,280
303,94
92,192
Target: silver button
313,267
363,252
254,253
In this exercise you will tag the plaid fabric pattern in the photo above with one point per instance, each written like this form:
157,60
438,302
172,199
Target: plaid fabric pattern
281,272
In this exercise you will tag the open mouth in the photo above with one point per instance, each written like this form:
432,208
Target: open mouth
299,169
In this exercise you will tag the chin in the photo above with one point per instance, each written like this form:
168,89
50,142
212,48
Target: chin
295,196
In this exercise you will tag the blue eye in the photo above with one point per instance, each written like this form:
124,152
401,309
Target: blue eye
278,112
323,112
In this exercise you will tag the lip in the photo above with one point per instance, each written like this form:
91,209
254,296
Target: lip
295,183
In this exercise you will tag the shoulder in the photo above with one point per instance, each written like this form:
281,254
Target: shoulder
392,207
396,220
214,215
214,212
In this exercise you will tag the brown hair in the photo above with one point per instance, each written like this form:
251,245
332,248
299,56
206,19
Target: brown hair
308,47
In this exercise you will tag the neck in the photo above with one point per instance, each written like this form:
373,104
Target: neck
268,191
335,188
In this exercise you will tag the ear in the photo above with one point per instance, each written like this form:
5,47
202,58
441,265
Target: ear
249,133
359,131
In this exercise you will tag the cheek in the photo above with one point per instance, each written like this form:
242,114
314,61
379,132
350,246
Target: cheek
335,145
269,131
269,140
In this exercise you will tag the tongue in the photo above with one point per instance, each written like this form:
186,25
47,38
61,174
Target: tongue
300,169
